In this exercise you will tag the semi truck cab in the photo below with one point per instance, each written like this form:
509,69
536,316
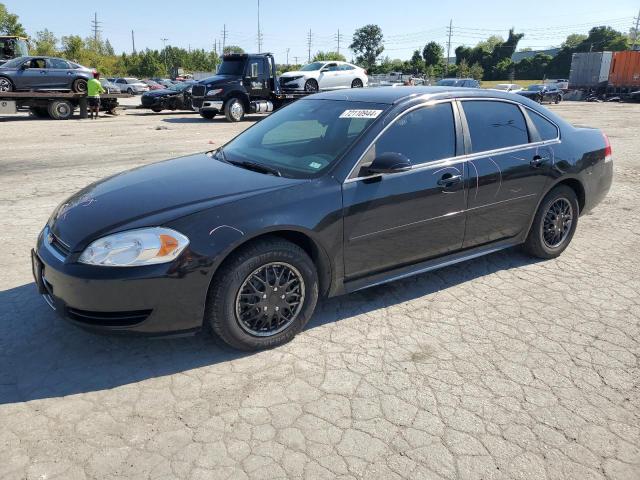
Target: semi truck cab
245,83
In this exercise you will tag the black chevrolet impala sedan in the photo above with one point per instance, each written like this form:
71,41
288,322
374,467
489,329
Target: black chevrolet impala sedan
331,194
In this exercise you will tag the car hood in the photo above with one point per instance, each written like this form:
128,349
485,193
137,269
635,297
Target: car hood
218,80
165,92
529,93
297,73
155,194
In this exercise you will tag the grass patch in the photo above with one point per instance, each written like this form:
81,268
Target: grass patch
522,83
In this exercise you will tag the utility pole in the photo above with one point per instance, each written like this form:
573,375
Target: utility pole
95,25
164,43
133,41
636,33
309,37
224,37
259,34
295,59
338,38
450,30
288,55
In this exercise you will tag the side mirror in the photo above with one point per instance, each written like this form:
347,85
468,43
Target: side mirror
390,162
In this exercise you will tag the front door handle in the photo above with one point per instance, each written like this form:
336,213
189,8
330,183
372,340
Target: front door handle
447,180
537,161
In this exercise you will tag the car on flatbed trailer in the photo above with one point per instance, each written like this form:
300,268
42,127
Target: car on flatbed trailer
245,83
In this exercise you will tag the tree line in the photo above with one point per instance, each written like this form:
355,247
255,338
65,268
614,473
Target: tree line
490,59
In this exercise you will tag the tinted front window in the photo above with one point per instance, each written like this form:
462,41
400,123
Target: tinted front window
494,125
312,66
423,135
15,63
304,138
546,129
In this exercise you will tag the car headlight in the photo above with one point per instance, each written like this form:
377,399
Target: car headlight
145,246
214,92
291,79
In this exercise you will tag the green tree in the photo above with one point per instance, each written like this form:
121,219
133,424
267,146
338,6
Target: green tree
573,40
45,43
367,45
476,71
108,49
328,56
463,70
9,24
416,64
233,49
72,47
432,54
490,43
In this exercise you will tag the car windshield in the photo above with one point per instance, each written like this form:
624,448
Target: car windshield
312,66
502,86
305,138
535,88
232,67
179,87
16,62
132,80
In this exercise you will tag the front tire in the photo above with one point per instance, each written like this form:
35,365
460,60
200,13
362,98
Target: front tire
263,295
234,110
156,109
6,85
79,86
554,224
311,86
558,99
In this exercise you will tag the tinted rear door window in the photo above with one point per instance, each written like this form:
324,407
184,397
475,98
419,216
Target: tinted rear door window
494,125
423,135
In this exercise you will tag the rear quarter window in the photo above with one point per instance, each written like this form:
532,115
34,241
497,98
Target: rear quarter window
493,125
546,129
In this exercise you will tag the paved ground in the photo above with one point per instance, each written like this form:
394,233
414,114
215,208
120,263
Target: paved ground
500,368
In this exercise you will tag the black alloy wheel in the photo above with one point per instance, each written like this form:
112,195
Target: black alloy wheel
270,299
554,224
262,295
6,85
357,83
79,86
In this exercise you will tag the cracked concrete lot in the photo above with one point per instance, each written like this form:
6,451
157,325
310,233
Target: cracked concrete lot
499,368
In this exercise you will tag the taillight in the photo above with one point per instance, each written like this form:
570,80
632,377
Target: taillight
607,149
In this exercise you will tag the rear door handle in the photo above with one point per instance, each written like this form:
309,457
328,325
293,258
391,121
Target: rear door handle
448,180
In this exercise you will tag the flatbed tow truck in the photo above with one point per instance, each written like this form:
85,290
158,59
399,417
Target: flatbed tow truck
55,105
245,83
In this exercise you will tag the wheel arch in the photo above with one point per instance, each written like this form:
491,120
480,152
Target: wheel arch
298,237
241,95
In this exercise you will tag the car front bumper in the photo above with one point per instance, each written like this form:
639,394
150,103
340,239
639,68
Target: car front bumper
152,300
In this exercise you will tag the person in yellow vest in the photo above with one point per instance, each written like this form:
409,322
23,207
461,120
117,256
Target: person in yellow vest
94,89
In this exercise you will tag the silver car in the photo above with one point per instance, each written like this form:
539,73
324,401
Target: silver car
131,85
109,87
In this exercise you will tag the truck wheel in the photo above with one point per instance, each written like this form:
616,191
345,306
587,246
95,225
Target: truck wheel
208,115
79,86
6,85
311,86
234,110
60,109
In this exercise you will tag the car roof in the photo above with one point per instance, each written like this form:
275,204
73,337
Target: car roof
394,95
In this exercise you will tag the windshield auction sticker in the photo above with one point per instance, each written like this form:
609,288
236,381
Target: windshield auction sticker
360,114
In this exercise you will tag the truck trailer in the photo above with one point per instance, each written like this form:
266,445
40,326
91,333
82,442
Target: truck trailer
606,74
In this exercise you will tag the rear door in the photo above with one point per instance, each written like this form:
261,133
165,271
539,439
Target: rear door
508,169
403,218
59,73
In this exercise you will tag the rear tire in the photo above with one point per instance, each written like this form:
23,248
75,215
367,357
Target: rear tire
208,115
558,99
550,232
79,86
234,110
156,109
6,85
357,83
240,318
60,109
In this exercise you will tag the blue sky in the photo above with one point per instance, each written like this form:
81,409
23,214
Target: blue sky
406,25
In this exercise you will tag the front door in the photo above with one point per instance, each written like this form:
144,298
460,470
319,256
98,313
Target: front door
402,218
508,169
256,79
34,76
329,77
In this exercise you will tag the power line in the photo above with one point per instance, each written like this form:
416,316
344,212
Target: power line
224,37
449,45
95,26
259,34
338,38
309,41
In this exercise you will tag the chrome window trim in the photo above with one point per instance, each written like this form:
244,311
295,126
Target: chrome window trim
457,158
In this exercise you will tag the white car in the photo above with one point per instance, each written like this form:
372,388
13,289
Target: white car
508,87
131,85
324,76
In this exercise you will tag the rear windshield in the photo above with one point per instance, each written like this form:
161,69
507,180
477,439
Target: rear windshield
305,138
